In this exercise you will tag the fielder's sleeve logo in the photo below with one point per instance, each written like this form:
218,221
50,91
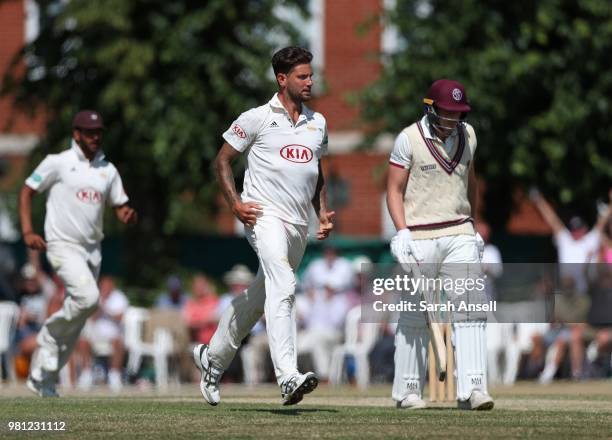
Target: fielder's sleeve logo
237,129
35,177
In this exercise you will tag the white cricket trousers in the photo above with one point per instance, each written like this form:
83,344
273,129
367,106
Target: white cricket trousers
78,267
279,247
449,257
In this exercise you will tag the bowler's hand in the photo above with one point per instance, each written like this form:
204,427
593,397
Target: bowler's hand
325,224
34,241
126,215
247,212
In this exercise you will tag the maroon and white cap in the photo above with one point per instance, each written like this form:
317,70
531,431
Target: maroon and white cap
87,119
449,95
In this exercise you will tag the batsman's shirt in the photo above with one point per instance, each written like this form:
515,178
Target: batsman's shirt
436,201
282,158
78,192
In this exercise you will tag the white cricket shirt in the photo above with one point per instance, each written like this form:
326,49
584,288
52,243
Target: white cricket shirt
78,191
282,158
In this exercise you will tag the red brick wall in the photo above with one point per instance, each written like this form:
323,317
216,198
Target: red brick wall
12,31
352,35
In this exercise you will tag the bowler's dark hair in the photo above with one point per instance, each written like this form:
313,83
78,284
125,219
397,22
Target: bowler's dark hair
286,59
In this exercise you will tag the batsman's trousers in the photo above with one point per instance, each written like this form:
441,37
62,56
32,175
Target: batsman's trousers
451,257
280,247
78,267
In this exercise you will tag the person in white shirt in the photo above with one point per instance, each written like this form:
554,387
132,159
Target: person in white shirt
330,270
575,244
80,182
284,142
431,196
103,335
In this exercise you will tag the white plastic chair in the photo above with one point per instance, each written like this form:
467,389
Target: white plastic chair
359,341
161,347
9,313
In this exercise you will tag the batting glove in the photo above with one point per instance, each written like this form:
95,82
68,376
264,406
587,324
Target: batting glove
402,246
480,244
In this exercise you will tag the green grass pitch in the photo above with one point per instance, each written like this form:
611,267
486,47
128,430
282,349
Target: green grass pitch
563,410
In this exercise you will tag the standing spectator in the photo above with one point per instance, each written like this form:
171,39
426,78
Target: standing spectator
200,311
575,244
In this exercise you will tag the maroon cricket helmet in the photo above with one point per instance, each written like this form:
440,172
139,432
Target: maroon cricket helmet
448,95
88,119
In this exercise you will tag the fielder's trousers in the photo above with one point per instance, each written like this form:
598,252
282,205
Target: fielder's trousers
78,267
280,247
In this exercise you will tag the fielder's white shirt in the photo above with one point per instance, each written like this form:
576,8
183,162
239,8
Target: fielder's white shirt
78,191
282,158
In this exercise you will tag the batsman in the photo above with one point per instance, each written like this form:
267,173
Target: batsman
431,197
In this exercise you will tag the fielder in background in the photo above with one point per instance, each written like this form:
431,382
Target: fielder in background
284,142
80,182
431,196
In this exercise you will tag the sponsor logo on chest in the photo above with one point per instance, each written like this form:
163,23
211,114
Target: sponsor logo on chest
296,153
429,167
89,196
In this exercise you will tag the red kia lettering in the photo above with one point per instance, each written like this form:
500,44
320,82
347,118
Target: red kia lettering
89,195
296,153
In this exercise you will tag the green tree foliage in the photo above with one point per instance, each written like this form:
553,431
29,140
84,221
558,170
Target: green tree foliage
538,75
168,77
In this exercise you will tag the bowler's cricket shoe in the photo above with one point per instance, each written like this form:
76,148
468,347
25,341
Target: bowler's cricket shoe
209,383
478,401
41,389
294,388
412,401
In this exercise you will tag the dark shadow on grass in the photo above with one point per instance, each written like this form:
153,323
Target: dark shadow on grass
288,411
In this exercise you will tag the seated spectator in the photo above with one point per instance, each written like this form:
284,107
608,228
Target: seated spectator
103,336
353,295
200,311
570,314
323,312
33,302
174,298
329,270
250,363
237,280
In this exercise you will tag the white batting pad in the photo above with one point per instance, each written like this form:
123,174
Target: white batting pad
470,357
410,361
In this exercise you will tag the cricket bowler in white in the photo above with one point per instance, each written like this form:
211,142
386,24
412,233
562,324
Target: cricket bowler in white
431,196
80,182
284,142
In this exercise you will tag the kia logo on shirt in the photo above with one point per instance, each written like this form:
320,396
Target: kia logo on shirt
296,153
239,131
89,195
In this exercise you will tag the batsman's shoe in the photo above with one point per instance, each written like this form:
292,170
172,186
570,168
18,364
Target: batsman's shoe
478,401
412,401
209,383
294,388
41,389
